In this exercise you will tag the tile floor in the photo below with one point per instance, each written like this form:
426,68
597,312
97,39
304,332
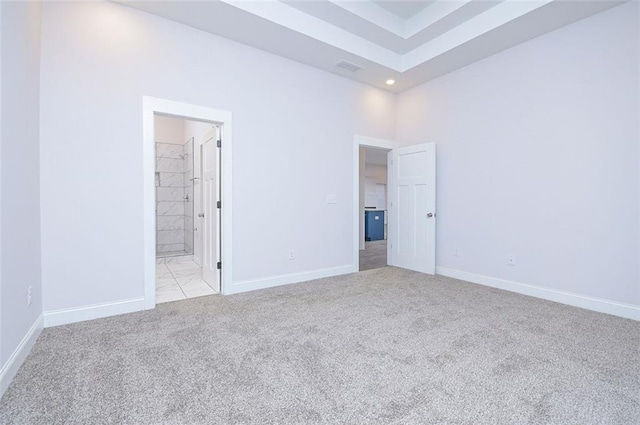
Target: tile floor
179,281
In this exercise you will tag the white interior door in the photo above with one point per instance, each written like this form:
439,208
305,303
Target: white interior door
210,213
412,208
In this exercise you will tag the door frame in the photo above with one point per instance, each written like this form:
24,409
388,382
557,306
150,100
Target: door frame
150,107
363,142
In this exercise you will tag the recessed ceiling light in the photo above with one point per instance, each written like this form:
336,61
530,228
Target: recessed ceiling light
391,82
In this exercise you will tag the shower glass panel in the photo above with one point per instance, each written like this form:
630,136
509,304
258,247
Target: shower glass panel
174,199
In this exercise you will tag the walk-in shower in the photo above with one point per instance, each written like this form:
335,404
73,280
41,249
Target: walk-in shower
174,198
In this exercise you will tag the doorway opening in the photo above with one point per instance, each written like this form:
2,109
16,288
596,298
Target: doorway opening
187,152
373,195
371,179
184,233
410,200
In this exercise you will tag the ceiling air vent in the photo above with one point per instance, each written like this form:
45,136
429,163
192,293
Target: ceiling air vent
351,67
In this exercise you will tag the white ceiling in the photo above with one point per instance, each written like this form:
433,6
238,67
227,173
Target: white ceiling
403,9
409,41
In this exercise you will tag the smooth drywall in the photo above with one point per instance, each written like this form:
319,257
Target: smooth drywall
169,130
538,158
20,176
293,129
376,172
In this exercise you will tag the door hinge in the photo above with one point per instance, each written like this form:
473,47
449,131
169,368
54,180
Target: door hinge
219,204
219,265
219,143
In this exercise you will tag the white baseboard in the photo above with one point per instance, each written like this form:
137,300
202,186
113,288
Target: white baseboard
89,312
627,311
285,279
10,368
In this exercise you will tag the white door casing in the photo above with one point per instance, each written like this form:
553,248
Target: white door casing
412,207
209,218
360,142
150,107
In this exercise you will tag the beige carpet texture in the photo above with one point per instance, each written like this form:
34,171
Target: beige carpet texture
384,346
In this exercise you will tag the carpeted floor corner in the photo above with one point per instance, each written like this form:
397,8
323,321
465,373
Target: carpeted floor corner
385,346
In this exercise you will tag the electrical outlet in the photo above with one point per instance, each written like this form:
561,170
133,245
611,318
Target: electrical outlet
291,255
29,295
511,260
457,252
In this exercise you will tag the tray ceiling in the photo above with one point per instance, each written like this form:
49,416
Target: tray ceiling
409,41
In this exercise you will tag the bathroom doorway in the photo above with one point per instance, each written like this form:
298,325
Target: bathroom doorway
186,228
185,267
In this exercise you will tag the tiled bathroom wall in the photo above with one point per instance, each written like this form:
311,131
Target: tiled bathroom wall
188,195
170,202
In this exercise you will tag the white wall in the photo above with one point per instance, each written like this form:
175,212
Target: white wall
374,194
169,130
293,140
538,158
20,176
376,172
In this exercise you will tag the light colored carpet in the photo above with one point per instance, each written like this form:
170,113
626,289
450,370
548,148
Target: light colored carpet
386,346
373,256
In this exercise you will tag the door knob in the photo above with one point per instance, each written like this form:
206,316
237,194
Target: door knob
430,215
200,214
